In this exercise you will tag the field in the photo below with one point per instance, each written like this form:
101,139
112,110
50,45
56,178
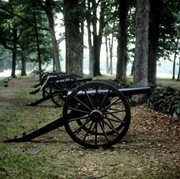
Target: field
150,149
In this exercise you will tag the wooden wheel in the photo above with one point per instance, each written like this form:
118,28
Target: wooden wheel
47,81
60,87
100,115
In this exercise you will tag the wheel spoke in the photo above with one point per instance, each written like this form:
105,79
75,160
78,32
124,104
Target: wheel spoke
78,110
105,134
89,99
95,140
118,120
73,84
103,101
87,132
58,85
111,127
86,106
81,127
112,103
78,118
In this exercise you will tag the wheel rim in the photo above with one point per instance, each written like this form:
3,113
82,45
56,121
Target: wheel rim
98,118
58,91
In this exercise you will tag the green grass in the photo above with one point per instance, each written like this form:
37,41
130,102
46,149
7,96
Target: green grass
60,157
2,84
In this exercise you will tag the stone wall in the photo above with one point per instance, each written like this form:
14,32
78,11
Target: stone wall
165,100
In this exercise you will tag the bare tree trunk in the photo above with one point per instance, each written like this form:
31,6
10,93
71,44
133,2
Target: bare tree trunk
91,54
122,42
1,65
174,61
23,63
107,54
132,69
13,73
155,13
74,59
142,46
178,78
14,53
96,35
111,54
48,9
37,42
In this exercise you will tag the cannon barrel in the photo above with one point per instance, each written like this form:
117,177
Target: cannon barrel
135,91
78,79
124,91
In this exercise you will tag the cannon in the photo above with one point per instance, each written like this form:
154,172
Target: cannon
46,81
95,114
55,87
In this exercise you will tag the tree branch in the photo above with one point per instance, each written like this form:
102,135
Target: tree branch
23,19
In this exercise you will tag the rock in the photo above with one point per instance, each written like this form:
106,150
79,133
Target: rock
165,100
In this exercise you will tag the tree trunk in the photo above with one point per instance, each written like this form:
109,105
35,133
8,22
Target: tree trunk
122,42
111,54
141,50
23,63
98,40
95,47
37,42
48,10
174,61
107,54
14,53
132,69
13,73
91,54
74,58
178,78
1,65
155,13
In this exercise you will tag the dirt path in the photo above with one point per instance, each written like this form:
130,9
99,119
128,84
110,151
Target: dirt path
154,137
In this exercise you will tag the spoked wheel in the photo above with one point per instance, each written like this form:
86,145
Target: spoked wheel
96,114
60,87
47,81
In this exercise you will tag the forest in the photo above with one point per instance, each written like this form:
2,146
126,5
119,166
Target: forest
145,30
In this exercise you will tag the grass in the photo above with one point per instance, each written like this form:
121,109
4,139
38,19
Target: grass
2,84
59,157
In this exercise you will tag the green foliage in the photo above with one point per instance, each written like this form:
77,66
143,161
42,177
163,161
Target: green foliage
18,16
169,28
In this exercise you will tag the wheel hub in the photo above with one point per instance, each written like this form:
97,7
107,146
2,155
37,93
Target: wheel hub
96,115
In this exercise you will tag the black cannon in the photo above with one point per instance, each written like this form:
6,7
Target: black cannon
95,114
56,86
46,82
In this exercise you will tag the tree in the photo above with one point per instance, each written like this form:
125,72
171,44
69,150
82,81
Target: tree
178,78
97,18
154,23
74,57
141,51
47,7
10,32
175,55
122,42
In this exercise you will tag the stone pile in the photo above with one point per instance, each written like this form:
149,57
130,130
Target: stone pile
165,100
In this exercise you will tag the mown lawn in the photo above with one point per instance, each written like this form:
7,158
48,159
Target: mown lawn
149,150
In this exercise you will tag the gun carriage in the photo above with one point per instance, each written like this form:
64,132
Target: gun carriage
95,114
54,86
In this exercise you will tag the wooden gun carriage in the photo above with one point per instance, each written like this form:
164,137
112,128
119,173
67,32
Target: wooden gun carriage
95,114
54,86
